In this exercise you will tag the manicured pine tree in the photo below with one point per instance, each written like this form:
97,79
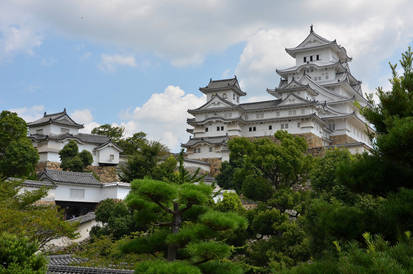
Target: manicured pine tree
184,234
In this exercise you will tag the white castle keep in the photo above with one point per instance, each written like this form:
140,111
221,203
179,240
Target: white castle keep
314,99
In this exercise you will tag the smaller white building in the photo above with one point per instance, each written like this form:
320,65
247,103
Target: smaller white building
76,192
52,132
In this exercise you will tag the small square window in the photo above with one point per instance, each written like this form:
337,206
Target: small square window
311,58
318,57
206,129
254,129
233,96
217,128
286,125
222,128
250,129
298,124
210,149
270,127
111,157
305,59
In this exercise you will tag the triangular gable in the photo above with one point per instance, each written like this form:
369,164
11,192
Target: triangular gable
293,99
294,84
109,144
216,102
322,90
313,40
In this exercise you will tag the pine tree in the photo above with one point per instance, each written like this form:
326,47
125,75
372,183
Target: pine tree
181,228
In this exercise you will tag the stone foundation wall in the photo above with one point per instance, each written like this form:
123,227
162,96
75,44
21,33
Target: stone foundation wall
106,174
49,165
312,140
342,139
215,165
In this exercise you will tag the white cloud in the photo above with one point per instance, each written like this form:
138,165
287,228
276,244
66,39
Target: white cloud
163,116
111,62
85,117
29,114
16,39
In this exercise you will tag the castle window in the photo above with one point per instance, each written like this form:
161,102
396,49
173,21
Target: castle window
284,126
305,59
250,129
318,57
206,129
64,130
332,126
311,58
298,124
217,128
237,99
233,96
254,129
222,128
270,127
210,149
111,157
224,96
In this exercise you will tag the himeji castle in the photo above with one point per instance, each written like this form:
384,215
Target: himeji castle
315,99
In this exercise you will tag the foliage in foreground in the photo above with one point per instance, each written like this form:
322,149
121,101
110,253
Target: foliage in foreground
17,255
181,228
23,215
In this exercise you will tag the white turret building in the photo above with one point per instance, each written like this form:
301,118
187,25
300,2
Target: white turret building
52,132
315,99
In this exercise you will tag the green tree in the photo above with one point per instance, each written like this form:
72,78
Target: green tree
113,132
184,229
392,156
18,255
133,144
23,214
142,163
18,157
261,166
72,160
116,218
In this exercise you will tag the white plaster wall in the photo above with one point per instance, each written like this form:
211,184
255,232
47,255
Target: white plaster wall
91,194
196,165
104,155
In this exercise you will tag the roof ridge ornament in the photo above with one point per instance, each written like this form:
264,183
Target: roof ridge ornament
311,28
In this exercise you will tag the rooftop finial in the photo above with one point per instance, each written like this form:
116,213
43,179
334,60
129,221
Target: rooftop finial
44,113
311,28
64,110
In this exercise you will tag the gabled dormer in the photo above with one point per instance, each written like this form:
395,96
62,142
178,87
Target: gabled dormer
54,124
227,89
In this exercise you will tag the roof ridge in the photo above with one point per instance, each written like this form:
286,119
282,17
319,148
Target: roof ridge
251,103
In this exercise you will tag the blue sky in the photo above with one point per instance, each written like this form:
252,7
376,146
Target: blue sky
139,64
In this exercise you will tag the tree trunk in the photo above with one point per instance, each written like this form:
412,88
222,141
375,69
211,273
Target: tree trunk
177,220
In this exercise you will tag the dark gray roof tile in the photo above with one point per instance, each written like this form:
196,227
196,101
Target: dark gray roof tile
86,178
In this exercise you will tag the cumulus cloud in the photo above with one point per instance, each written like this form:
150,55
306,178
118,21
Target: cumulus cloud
15,39
85,117
29,114
111,62
163,116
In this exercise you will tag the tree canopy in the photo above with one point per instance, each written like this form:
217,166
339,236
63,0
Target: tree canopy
72,160
183,228
18,157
